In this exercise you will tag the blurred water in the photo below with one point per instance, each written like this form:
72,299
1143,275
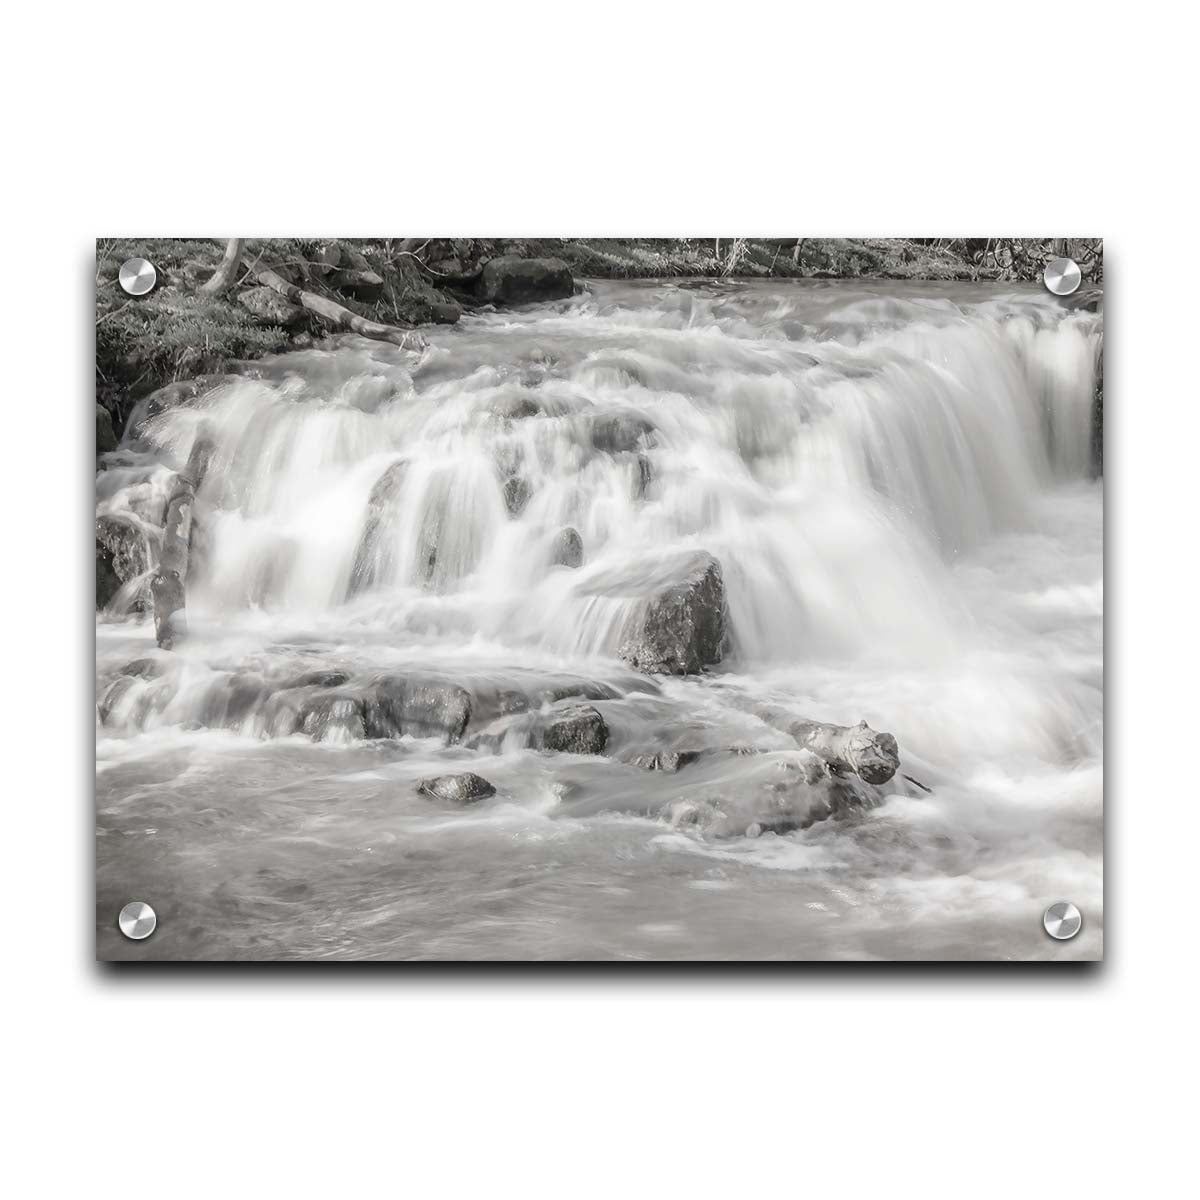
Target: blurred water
894,479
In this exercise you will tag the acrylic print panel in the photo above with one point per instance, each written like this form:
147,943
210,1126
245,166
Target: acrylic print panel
720,599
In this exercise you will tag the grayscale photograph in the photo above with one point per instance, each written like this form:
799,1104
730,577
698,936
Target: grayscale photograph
712,599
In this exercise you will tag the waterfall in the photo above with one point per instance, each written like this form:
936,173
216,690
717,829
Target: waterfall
836,473
893,479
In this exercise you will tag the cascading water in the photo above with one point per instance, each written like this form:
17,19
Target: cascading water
894,480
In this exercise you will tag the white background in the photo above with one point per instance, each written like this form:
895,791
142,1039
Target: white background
615,118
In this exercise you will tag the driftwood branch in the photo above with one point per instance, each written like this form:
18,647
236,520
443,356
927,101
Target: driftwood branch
223,276
168,587
850,749
336,314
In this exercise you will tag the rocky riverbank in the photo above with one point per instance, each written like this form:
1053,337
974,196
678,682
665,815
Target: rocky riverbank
180,332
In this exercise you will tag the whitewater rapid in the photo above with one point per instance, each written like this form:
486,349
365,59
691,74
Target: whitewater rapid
896,482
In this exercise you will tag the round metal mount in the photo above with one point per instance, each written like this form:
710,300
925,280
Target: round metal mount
1062,276
1062,920
137,920
137,276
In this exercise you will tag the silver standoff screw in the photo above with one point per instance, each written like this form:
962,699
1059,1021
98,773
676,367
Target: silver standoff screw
137,276
1062,276
1062,920
137,920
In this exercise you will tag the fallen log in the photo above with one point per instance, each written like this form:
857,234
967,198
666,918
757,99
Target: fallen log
850,749
168,587
335,313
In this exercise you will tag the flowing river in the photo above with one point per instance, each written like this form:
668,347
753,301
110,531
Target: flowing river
895,481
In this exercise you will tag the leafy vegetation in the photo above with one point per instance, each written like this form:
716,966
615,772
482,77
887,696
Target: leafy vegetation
178,331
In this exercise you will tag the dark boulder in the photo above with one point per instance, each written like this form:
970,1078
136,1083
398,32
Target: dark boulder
365,285
679,628
444,312
463,788
106,438
621,432
268,306
122,554
577,729
511,280
416,706
568,548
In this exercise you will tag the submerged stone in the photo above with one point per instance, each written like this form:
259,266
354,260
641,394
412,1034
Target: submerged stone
463,788
665,760
416,706
370,554
145,668
578,729
516,495
516,407
333,717
568,548
621,432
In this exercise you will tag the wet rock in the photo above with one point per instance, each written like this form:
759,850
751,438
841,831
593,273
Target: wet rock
245,697
665,760
371,558
578,729
416,706
173,395
567,550
106,438
463,788
641,484
516,407
323,679
444,312
268,306
145,668
112,696
516,495
620,433
283,713
511,280
587,689
679,629
779,792
122,554
333,717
